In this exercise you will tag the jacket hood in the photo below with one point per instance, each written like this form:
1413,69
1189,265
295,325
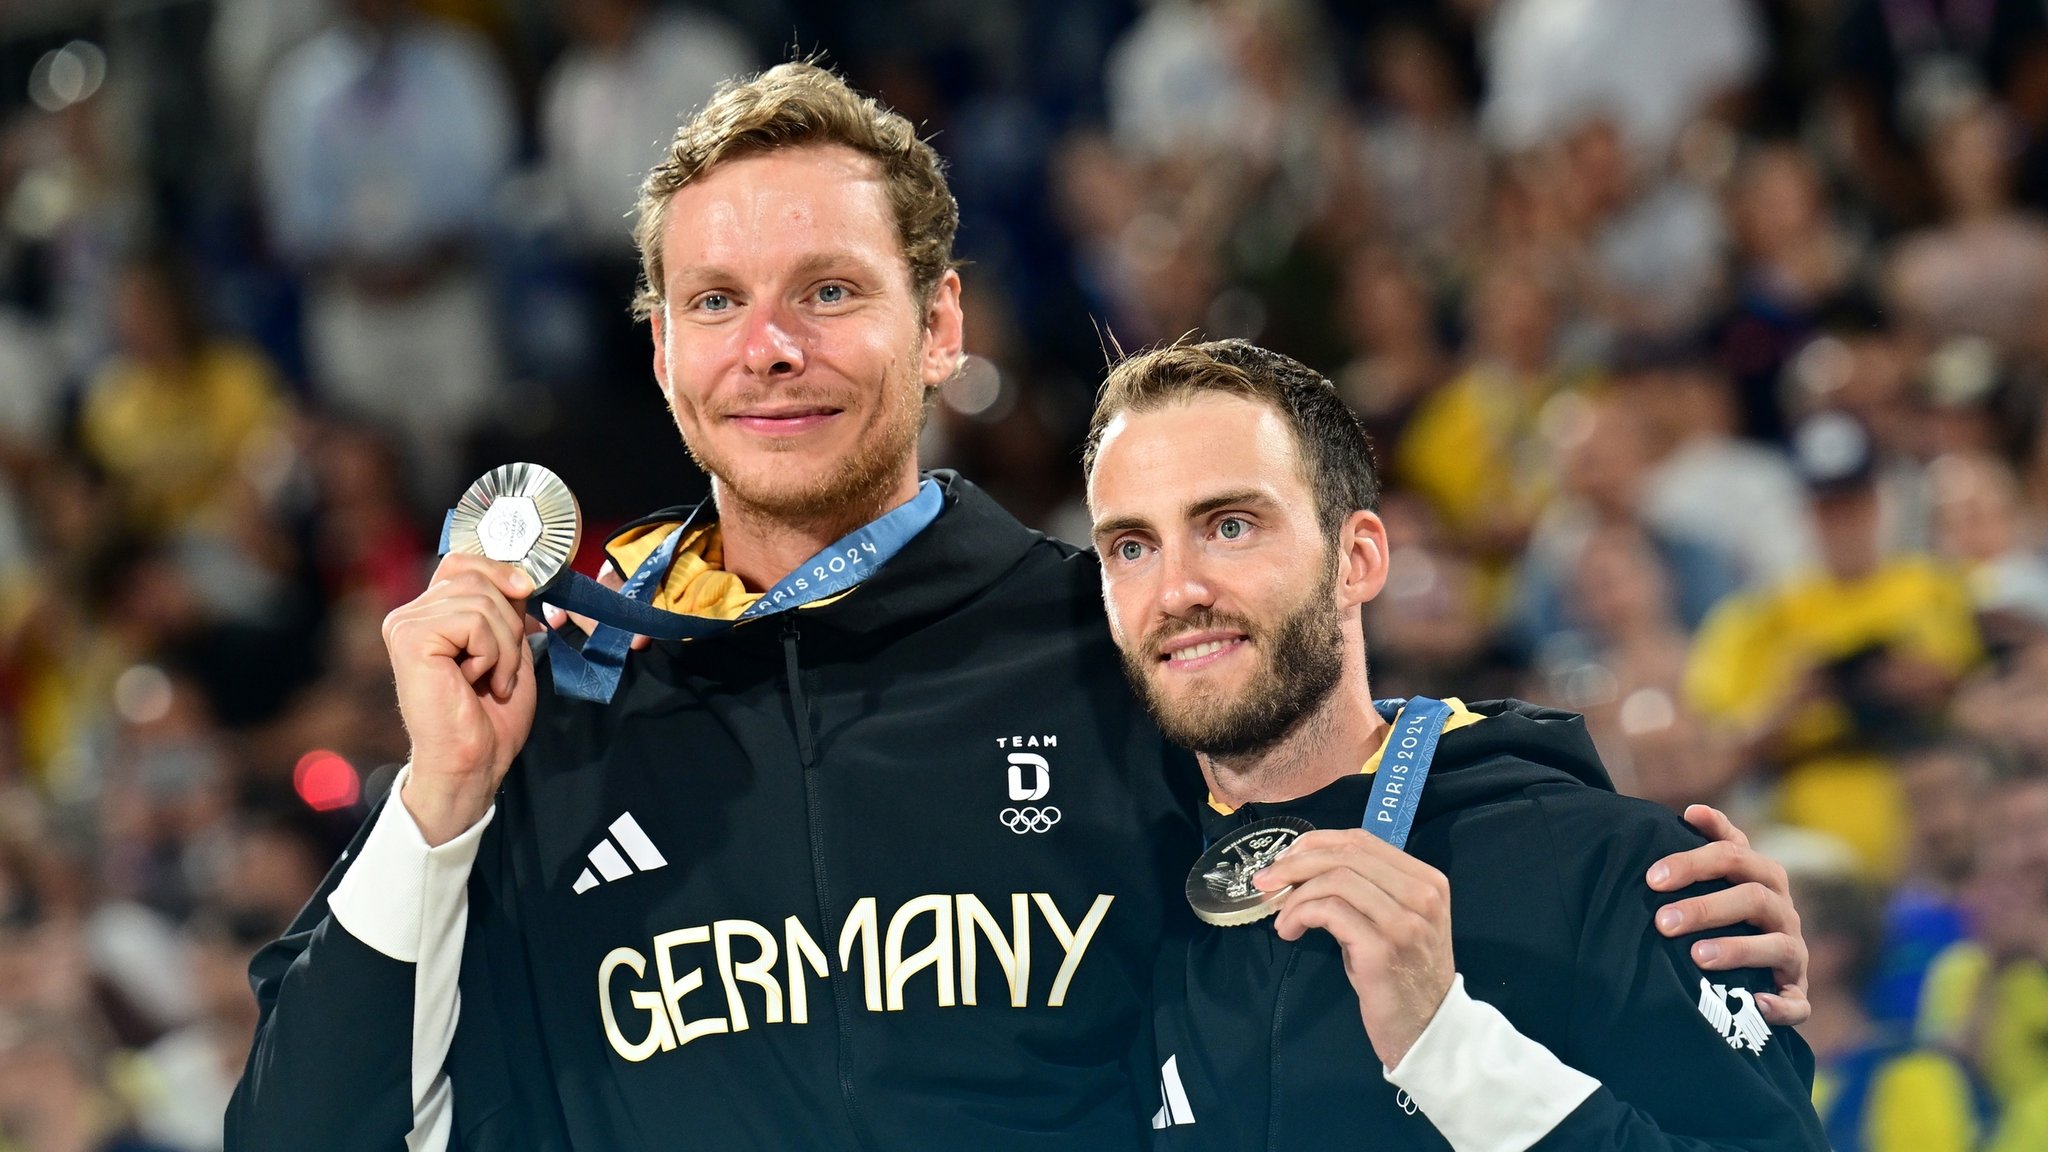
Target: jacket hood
1514,747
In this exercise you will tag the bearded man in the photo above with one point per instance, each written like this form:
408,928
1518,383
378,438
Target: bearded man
1233,498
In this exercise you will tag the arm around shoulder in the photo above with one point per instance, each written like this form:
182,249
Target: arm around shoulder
1684,1058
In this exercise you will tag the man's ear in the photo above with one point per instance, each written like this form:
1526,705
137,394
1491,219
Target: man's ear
945,331
657,322
1361,559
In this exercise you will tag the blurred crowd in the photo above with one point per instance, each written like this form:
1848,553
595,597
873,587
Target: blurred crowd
1704,344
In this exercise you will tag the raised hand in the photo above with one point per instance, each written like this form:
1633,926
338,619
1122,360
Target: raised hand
1761,896
1391,915
466,688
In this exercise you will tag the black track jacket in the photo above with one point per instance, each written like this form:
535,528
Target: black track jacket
1551,923
865,929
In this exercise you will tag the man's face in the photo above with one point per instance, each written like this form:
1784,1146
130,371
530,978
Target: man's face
790,345
1944,794
1848,524
1217,577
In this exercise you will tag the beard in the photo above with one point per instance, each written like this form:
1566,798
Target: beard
1302,659
851,488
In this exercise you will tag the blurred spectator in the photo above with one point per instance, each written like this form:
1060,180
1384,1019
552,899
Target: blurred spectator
1874,1088
1400,358
1426,628
54,1094
382,143
1655,64
1987,997
1605,458
75,206
1978,528
1424,163
612,101
367,540
1170,83
178,412
1794,262
1899,65
182,1082
1473,450
1704,482
1622,664
249,37
1997,705
1248,80
1944,782
1654,241
1823,676
1984,270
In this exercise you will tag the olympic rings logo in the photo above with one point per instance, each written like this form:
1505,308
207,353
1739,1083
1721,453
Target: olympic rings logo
1022,820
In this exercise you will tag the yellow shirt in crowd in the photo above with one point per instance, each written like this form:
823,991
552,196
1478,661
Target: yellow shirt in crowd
1473,452
1754,650
173,442
1919,1101
2012,1052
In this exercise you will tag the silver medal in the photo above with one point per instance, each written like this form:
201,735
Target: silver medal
1220,884
519,514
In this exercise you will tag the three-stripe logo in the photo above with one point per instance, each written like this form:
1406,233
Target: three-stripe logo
611,865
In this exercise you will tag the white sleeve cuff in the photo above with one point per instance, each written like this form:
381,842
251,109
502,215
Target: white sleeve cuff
401,896
1485,1086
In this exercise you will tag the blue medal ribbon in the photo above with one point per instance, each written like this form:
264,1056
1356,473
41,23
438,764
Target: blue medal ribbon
1404,766
593,673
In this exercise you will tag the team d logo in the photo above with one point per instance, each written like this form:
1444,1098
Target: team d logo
1741,1026
1030,782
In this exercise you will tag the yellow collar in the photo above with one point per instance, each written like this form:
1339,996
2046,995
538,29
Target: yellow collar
1461,717
696,581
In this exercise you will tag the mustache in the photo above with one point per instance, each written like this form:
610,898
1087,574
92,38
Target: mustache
776,398
1199,620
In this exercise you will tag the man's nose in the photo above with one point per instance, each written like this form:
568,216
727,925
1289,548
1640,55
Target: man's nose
1183,586
774,343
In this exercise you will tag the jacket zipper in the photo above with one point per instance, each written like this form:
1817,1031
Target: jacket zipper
799,706
800,713
1273,1048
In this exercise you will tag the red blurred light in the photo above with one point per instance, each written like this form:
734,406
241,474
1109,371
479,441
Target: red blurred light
326,781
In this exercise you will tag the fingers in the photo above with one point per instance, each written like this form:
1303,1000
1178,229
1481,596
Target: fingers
1750,903
1786,1009
1356,849
510,580
1781,952
468,616
1401,925
1714,824
1718,860
1354,933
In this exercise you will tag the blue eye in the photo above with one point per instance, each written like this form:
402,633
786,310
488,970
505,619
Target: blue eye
1231,528
1130,550
714,302
832,294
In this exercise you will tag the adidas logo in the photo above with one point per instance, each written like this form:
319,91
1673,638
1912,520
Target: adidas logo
610,865
1173,1098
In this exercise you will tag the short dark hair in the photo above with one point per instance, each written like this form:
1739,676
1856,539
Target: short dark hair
1336,452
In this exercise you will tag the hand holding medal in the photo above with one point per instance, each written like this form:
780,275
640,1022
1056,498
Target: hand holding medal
1389,912
523,514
